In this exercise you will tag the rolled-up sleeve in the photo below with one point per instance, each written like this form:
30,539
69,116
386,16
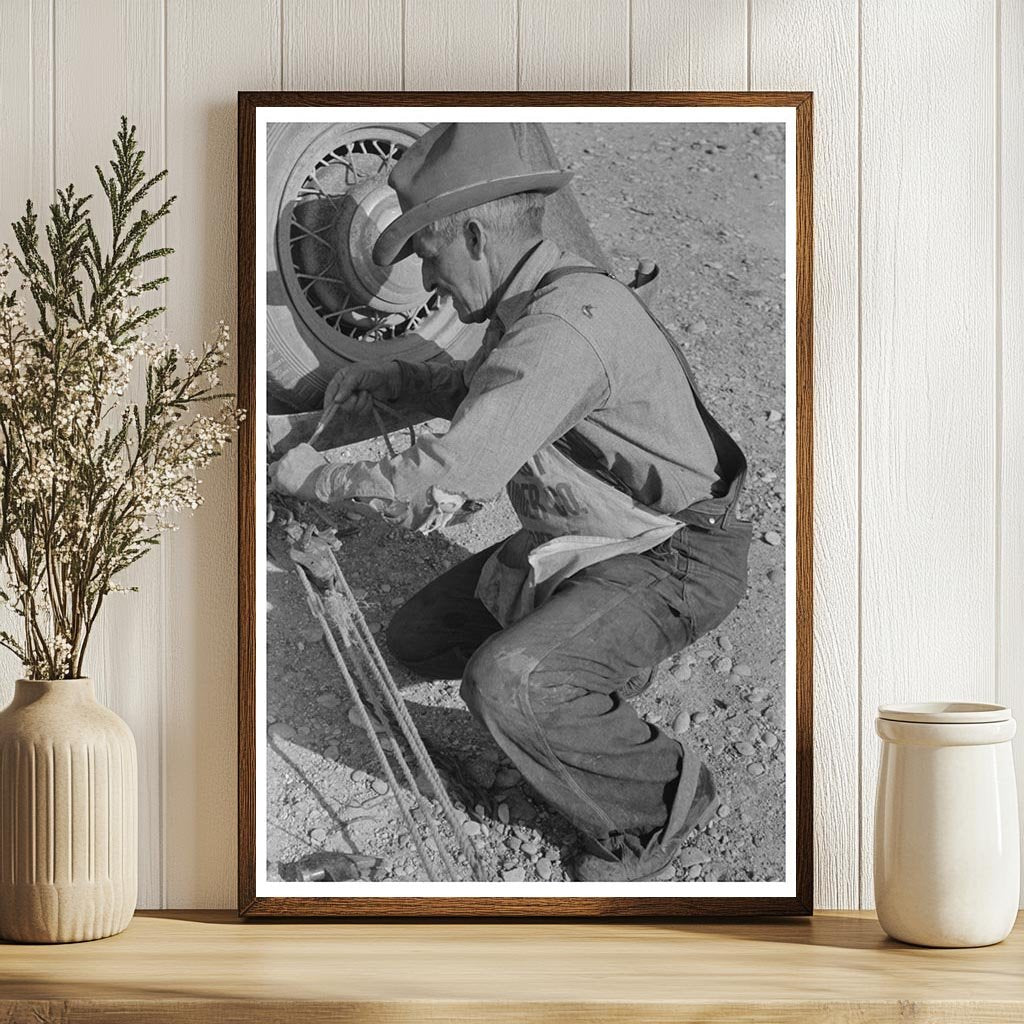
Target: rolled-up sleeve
541,379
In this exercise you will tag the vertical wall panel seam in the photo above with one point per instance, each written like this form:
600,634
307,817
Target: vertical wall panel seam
280,41
162,696
519,44
629,44
53,97
860,459
750,16
401,44
997,161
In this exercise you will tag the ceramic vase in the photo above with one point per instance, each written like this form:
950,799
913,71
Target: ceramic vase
68,815
947,845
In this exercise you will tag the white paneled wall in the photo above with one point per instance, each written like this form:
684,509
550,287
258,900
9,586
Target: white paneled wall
919,317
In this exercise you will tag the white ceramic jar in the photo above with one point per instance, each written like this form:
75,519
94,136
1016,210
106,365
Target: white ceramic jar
947,845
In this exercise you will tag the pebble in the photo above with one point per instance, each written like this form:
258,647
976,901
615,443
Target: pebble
682,673
385,588
507,777
328,700
744,748
318,835
514,843
282,731
693,872
774,415
718,748
725,643
743,670
332,752
503,815
692,855
724,811
380,786
682,722
773,538
697,327
514,874
723,666
756,768
700,716
472,828
530,848
359,775
771,740
758,695
544,869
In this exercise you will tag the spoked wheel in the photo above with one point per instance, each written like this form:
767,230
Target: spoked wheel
328,303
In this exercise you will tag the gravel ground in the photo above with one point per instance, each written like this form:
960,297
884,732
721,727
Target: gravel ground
707,203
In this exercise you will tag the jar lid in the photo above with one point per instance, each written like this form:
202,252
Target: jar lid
944,713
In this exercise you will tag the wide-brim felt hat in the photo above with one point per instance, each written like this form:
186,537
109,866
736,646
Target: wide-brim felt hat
452,168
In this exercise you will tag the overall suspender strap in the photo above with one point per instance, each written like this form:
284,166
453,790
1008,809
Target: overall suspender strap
730,456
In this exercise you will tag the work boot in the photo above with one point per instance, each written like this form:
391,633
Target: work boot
629,857
635,685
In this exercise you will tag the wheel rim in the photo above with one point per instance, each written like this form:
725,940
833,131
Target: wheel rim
335,203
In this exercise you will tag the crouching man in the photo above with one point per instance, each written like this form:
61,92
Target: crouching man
626,487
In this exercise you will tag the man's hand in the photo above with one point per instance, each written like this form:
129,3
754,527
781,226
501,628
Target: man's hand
354,388
296,472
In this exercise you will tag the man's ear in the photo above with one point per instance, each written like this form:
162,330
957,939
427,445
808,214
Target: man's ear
475,238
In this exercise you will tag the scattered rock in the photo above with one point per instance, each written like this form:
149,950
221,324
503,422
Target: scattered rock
503,815
743,670
774,416
282,731
692,855
773,538
697,327
744,748
700,716
693,872
318,835
771,740
724,811
507,777
380,786
682,673
332,752
530,848
517,874
544,869
756,768
725,643
328,700
514,843
723,666
681,723
359,775
472,828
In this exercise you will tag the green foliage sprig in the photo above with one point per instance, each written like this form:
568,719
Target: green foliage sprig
89,478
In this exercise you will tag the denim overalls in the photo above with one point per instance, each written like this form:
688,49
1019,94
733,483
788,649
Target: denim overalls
546,686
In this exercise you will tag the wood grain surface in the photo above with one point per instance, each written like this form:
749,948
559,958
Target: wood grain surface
779,57
928,367
198,967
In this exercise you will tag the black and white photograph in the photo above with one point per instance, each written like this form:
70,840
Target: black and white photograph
525,513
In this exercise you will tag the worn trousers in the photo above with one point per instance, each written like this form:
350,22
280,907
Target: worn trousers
545,687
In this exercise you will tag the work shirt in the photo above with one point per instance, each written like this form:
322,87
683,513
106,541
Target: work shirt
579,359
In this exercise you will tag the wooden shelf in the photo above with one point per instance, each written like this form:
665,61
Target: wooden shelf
197,966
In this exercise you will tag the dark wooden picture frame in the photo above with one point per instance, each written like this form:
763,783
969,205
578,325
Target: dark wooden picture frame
633,905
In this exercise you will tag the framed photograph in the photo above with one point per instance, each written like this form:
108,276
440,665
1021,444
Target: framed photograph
525,504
